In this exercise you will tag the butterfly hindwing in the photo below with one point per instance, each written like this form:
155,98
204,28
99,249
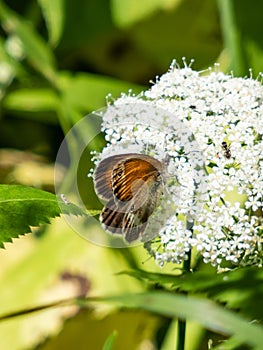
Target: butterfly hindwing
122,219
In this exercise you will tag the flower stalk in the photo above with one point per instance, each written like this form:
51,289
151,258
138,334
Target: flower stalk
181,327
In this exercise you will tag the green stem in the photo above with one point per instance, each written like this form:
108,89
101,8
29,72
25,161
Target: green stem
181,329
232,36
181,334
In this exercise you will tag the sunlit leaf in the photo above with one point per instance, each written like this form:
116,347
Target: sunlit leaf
22,207
109,343
118,330
34,267
238,288
127,12
53,11
31,100
87,92
205,312
152,277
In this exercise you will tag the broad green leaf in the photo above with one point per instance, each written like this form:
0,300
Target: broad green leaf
36,50
31,272
53,12
22,207
116,331
205,312
127,12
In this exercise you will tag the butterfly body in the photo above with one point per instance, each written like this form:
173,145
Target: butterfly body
131,185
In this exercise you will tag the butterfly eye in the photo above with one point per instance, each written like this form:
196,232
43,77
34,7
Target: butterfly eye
119,173
158,176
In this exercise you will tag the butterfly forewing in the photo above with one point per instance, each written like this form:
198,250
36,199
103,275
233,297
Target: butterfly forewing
103,176
125,175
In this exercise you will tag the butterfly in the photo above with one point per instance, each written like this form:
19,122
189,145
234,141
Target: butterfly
131,185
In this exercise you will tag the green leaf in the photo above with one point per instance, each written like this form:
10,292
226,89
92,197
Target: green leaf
87,92
239,288
180,32
240,22
30,273
152,277
33,101
22,207
108,345
128,12
232,36
37,51
53,12
207,313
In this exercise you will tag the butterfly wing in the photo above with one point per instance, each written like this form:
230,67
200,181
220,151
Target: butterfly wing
122,219
129,182
129,175
103,176
144,203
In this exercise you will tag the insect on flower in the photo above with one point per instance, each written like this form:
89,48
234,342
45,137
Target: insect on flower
131,184
226,149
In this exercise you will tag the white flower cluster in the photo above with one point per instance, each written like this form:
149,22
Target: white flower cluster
221,167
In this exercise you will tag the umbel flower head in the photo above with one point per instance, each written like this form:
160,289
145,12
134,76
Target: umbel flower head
209,126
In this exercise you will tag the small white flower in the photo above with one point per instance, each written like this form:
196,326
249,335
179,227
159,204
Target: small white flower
254,202
6,73
14,47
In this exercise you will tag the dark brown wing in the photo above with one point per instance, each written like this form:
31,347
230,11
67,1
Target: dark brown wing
103,176
122,220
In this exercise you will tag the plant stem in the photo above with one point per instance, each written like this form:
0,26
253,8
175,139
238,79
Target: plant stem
181,327
181,334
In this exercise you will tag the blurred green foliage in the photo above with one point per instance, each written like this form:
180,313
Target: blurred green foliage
59,59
